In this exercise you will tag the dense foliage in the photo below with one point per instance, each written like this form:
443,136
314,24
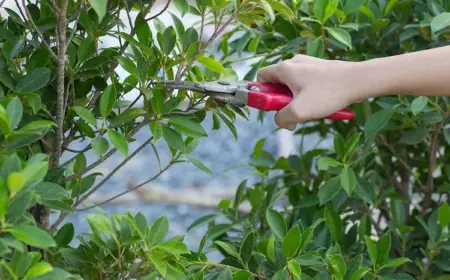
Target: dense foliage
372,206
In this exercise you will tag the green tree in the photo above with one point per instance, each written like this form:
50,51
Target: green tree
372,206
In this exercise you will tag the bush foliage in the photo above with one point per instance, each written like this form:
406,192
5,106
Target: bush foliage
374,205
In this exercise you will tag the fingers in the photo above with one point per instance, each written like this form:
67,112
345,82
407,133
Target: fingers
270,74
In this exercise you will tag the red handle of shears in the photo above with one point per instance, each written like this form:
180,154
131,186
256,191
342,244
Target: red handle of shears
274,97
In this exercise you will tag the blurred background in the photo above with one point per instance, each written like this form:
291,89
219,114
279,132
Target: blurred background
184,193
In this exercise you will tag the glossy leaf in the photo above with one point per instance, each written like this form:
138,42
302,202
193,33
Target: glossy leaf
34,80
329,190
377,122
158,231
444,214
39,269
100,145
173,139
86,115
169,40
334,222
341,35
100,7
119,141
12,47
211,64
188,127
419,104
33,236
276,223
291,242
107,100
440,22
326,162
348,180
15,111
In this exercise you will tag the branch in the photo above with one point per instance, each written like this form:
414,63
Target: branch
160,12
114,171
1,3
40,35
77,18
431,163
104,158
60,110
172,162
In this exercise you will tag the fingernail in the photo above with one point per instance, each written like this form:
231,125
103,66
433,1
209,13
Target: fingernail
291,127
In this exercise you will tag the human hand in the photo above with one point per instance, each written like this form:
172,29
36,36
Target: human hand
320,87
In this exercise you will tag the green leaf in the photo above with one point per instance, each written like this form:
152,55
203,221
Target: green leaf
326,162
254,42
202,220
127,116
331,8
156,129
34,80
15,183
229,248
143,31
271,248
377,122
291,242
32,235
169,40
4,120
225,275
444,215
182,6
269,11
334,222
414,136
383,248
359,273
39,269
100,146
440,22
174,247
281,8
107,101
315,47
15,111
190,37
352,6
281,275
65,235
158,231
348,180
276,223
86,115
329,190
341,35
34,171
239,194
338,265
12,47
188,127
173,139
419,104
199,164
50,191
396,262
319,9
99,7
372,249
247,246
119,141
86,49
351,144
339,145
4,199
128,66
294,268
211,64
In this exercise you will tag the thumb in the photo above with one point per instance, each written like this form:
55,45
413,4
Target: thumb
287,117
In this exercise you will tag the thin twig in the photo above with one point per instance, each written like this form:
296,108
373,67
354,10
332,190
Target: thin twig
130,22
130,189
160,12
103,159
54,6
41,36
114,171
431,163
72,34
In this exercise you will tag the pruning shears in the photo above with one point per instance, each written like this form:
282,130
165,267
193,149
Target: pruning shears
262,96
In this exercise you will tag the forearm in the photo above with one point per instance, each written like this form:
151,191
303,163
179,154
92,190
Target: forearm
420,73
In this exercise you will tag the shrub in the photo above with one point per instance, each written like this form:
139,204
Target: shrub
374,205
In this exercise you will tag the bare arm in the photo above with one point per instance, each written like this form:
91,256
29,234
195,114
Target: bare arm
322,87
